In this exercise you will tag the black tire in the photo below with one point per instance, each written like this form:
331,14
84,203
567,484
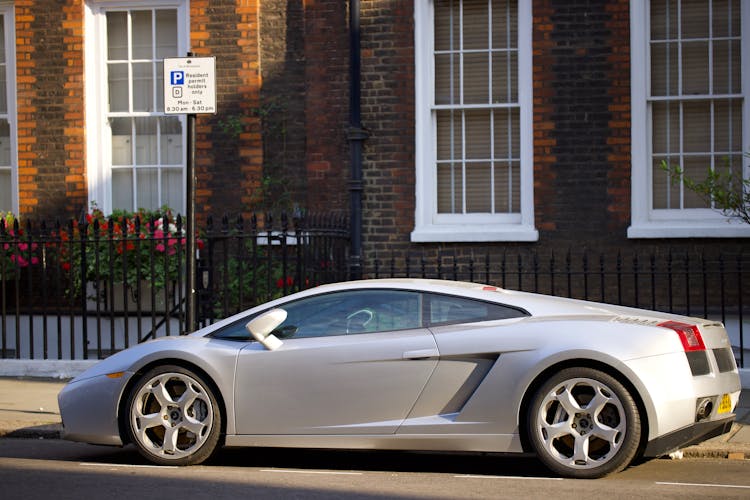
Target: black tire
584,424
173,417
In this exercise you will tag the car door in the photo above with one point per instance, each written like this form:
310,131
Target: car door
469,350
352,362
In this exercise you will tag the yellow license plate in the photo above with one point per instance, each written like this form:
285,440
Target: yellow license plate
725,406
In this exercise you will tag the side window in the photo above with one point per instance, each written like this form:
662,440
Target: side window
446,309
235,331
360,311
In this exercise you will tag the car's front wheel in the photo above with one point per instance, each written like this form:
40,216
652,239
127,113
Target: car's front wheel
173,416
583,423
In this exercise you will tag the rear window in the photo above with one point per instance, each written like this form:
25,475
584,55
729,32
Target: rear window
446,309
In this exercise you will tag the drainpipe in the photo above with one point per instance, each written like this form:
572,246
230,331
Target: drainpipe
356,135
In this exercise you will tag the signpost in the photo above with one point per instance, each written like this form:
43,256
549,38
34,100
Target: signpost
190,88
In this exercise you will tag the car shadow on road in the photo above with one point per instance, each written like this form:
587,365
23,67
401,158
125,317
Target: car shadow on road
381,461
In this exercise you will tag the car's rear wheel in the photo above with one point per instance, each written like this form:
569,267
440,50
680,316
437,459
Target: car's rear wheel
583,423
173,416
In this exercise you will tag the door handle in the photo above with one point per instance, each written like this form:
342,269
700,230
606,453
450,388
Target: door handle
421,354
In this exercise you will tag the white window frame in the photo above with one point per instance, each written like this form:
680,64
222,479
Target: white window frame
646,221
7,9
98,132
429,225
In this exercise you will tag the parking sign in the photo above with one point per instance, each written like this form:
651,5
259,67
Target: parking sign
190,85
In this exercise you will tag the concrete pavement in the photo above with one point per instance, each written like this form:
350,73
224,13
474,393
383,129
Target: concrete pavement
28,409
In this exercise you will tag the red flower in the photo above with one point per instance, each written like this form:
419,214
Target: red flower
281,281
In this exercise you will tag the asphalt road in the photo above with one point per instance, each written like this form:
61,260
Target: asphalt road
31,469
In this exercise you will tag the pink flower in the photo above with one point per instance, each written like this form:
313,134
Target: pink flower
18,260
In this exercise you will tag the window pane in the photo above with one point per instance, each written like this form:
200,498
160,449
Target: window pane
4,143
507,133
447,25
122,189
507,185
504,24
664,69
171,140
117,36
696,168
476,78
142,33
666,192
694,18
726,59
664,23
728,125
665,119
449,145
145,141
122,141
3,89
2,40
172,190
450,188
118,87
160,86
504,77
6,190
478,188
143,87
478,134
725,17
447,83
696,124
147,188
166,34
694,68
476,21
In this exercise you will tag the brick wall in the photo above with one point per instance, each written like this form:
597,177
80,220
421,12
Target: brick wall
229,156
50,106
388,112
581,119
282,104
326,104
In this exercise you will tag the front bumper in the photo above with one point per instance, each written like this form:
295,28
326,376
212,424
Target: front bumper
688,436
89,409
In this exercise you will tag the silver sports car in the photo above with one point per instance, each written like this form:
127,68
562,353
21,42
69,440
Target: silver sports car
407,364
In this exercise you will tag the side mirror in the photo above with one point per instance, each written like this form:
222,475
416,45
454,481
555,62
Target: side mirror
262,326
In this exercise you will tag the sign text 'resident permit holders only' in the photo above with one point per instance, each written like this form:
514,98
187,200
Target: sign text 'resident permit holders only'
189,85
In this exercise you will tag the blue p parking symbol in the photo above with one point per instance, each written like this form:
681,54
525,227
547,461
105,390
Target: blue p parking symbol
177,78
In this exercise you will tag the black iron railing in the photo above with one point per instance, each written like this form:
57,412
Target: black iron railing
92,287
682,282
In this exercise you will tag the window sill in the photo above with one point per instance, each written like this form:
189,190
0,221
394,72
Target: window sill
723,228
466,233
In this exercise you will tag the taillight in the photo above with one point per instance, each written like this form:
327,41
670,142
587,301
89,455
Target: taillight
690,336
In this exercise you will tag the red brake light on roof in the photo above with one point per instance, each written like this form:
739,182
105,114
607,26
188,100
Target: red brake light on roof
690,336
489,288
